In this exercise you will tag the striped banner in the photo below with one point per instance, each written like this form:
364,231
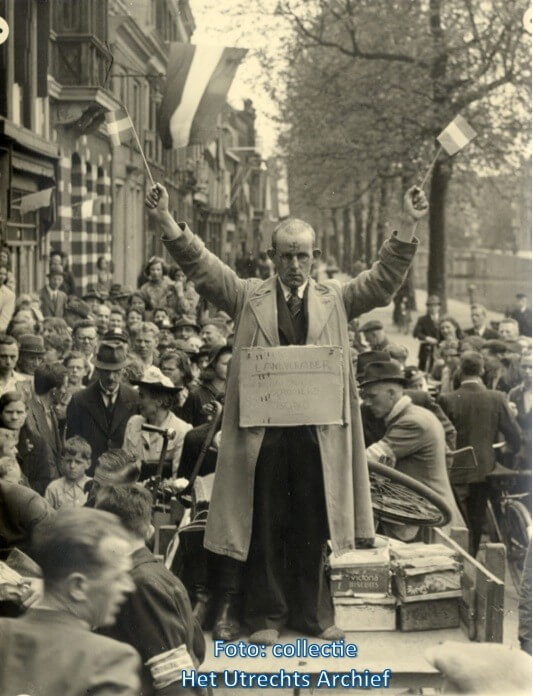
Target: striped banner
198,80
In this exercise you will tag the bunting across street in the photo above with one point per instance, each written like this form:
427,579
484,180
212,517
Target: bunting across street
198,80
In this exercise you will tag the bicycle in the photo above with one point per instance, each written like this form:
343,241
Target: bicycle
509,518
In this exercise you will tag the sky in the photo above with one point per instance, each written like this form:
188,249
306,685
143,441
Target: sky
218,22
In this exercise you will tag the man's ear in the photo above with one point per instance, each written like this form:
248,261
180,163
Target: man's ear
271,253
76,587
317,253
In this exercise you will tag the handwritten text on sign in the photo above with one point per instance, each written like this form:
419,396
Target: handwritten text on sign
291,385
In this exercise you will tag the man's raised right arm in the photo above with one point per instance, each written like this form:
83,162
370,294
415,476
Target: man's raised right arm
212,278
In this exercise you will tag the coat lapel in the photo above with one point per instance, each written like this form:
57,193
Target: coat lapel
321,301
120,410
264,306
95,406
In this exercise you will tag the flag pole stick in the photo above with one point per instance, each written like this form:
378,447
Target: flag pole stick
140,149
430,168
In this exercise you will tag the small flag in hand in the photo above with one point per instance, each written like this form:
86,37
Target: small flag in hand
119,126
456,135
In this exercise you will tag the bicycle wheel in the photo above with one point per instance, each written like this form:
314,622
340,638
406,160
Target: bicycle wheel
401,499
517,524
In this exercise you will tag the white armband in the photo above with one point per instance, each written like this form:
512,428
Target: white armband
381,453
166,668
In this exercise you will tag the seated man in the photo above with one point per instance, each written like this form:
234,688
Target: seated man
414,439
157,617
85,558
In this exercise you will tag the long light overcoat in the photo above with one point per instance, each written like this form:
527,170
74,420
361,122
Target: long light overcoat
252,304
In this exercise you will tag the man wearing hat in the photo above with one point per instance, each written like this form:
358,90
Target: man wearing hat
522,314
305,484
53,300
414,439
119,295
185,327
100,412
93,298
31,352
375,335
428,333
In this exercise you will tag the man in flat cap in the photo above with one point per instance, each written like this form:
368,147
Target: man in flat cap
375,336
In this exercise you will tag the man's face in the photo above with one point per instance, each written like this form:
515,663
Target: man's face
525,369
109,379
138,303
9,354
56,260
85,340
211,336
107,591
74,466
55,280
293,257
145,345
75,371
160,315
375,338
491,360
171,370
507,331
185,332
102,318
478,318
116,320
222,366
14,415
521,303
380,398
29,362
434,311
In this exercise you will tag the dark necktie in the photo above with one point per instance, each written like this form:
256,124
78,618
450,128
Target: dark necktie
295,303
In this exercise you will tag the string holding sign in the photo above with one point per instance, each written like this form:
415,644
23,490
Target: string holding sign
457,134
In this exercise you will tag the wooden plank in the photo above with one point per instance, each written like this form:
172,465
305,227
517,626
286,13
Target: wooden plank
483,596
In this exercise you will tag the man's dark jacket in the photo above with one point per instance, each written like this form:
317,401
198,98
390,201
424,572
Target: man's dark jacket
87,417
479,415
488,333
157,617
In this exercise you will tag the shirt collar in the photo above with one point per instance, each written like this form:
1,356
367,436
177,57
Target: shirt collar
287,290
402,403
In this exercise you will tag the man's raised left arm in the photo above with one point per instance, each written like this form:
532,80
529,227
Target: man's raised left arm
375,287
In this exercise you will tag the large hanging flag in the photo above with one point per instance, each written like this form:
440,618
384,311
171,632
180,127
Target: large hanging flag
34,201
119,126
456,135
198,80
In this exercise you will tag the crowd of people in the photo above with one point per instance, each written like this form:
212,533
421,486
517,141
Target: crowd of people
100,393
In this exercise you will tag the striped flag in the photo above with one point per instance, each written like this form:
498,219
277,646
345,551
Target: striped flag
456,135
119,126
87,206
198,80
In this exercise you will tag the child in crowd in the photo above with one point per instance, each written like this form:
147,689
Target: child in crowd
71,489
116,467
10,471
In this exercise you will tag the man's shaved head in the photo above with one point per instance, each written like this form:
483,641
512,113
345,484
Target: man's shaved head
292,227
293,251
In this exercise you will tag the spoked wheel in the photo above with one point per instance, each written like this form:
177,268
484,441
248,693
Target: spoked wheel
517,524
400,499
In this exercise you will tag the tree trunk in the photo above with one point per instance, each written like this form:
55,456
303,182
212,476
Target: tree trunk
359,231
334,243
369,228
382,213
436,281
348,252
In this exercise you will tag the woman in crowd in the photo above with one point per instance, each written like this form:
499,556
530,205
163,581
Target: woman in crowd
154,291
33,454
175,365
156,397
134,322
58,327
213,379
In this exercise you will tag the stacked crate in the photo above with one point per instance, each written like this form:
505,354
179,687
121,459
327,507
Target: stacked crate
427,583
361,589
